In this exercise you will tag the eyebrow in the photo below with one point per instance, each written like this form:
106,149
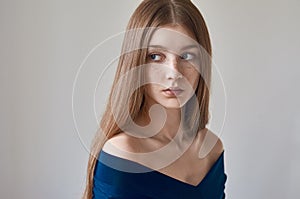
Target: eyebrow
165,48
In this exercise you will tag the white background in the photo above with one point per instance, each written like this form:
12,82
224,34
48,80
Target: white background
256,47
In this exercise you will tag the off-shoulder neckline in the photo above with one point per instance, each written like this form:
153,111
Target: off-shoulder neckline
170,178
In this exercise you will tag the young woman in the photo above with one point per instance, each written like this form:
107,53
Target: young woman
153,141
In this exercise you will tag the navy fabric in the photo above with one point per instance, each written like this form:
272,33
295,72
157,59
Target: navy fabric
118,178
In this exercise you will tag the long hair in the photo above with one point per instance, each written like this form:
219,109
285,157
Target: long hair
150,13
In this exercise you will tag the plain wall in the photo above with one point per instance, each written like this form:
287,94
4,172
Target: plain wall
43,43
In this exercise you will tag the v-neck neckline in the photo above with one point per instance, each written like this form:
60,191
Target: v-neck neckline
186,183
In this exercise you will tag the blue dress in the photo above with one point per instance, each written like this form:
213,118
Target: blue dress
118,178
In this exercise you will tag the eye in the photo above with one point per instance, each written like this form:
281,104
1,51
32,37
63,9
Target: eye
187,56
156,57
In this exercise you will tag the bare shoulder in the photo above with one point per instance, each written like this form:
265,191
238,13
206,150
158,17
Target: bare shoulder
218,147
121,145
211,145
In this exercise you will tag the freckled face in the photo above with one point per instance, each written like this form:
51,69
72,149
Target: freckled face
172,67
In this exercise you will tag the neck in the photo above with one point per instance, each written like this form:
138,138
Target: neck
171,126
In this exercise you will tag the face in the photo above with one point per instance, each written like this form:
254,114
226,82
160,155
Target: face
172,67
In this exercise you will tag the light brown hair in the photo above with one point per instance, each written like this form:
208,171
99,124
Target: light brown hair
151,13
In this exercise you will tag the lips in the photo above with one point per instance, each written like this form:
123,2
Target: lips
173,91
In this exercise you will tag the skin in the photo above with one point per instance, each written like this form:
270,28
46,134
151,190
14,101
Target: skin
176,54
179,61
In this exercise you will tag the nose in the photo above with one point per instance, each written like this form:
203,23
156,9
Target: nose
173,73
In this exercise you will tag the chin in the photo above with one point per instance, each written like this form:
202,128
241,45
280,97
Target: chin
172,105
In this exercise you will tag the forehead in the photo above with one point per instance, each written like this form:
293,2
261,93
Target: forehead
173,38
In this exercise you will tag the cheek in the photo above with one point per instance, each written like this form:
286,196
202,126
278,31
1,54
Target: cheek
193,77
155,74
194,81
151,89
